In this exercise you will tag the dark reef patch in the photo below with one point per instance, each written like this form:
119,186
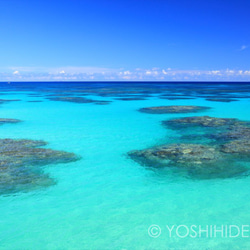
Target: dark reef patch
197,160
71,99
179,153
173,109
221,99
19,161
203,121
216,148
177,98
8,120
77,100
131,99
240,147
235,132
35,101
120,89
35,95
8,100
102,102
60,95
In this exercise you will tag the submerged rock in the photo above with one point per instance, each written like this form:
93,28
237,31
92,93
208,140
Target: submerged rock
173,109
200,161
19,160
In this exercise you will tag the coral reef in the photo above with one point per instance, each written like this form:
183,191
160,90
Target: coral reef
220,158
196,160
19,161
173,109
71,99
8,120
203,121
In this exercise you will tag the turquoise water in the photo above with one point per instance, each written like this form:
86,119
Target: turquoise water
106,200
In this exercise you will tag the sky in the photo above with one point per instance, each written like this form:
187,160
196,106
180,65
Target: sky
124,40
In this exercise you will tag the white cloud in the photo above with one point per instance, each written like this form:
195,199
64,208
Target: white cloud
71,73
215,72
126,72
228,71
243,47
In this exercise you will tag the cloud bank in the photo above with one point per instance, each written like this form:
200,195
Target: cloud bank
109,74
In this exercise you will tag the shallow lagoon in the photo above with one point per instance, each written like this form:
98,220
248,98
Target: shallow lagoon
106,200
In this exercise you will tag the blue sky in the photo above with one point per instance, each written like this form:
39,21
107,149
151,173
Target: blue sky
124,40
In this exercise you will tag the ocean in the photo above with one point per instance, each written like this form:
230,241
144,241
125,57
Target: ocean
105,199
